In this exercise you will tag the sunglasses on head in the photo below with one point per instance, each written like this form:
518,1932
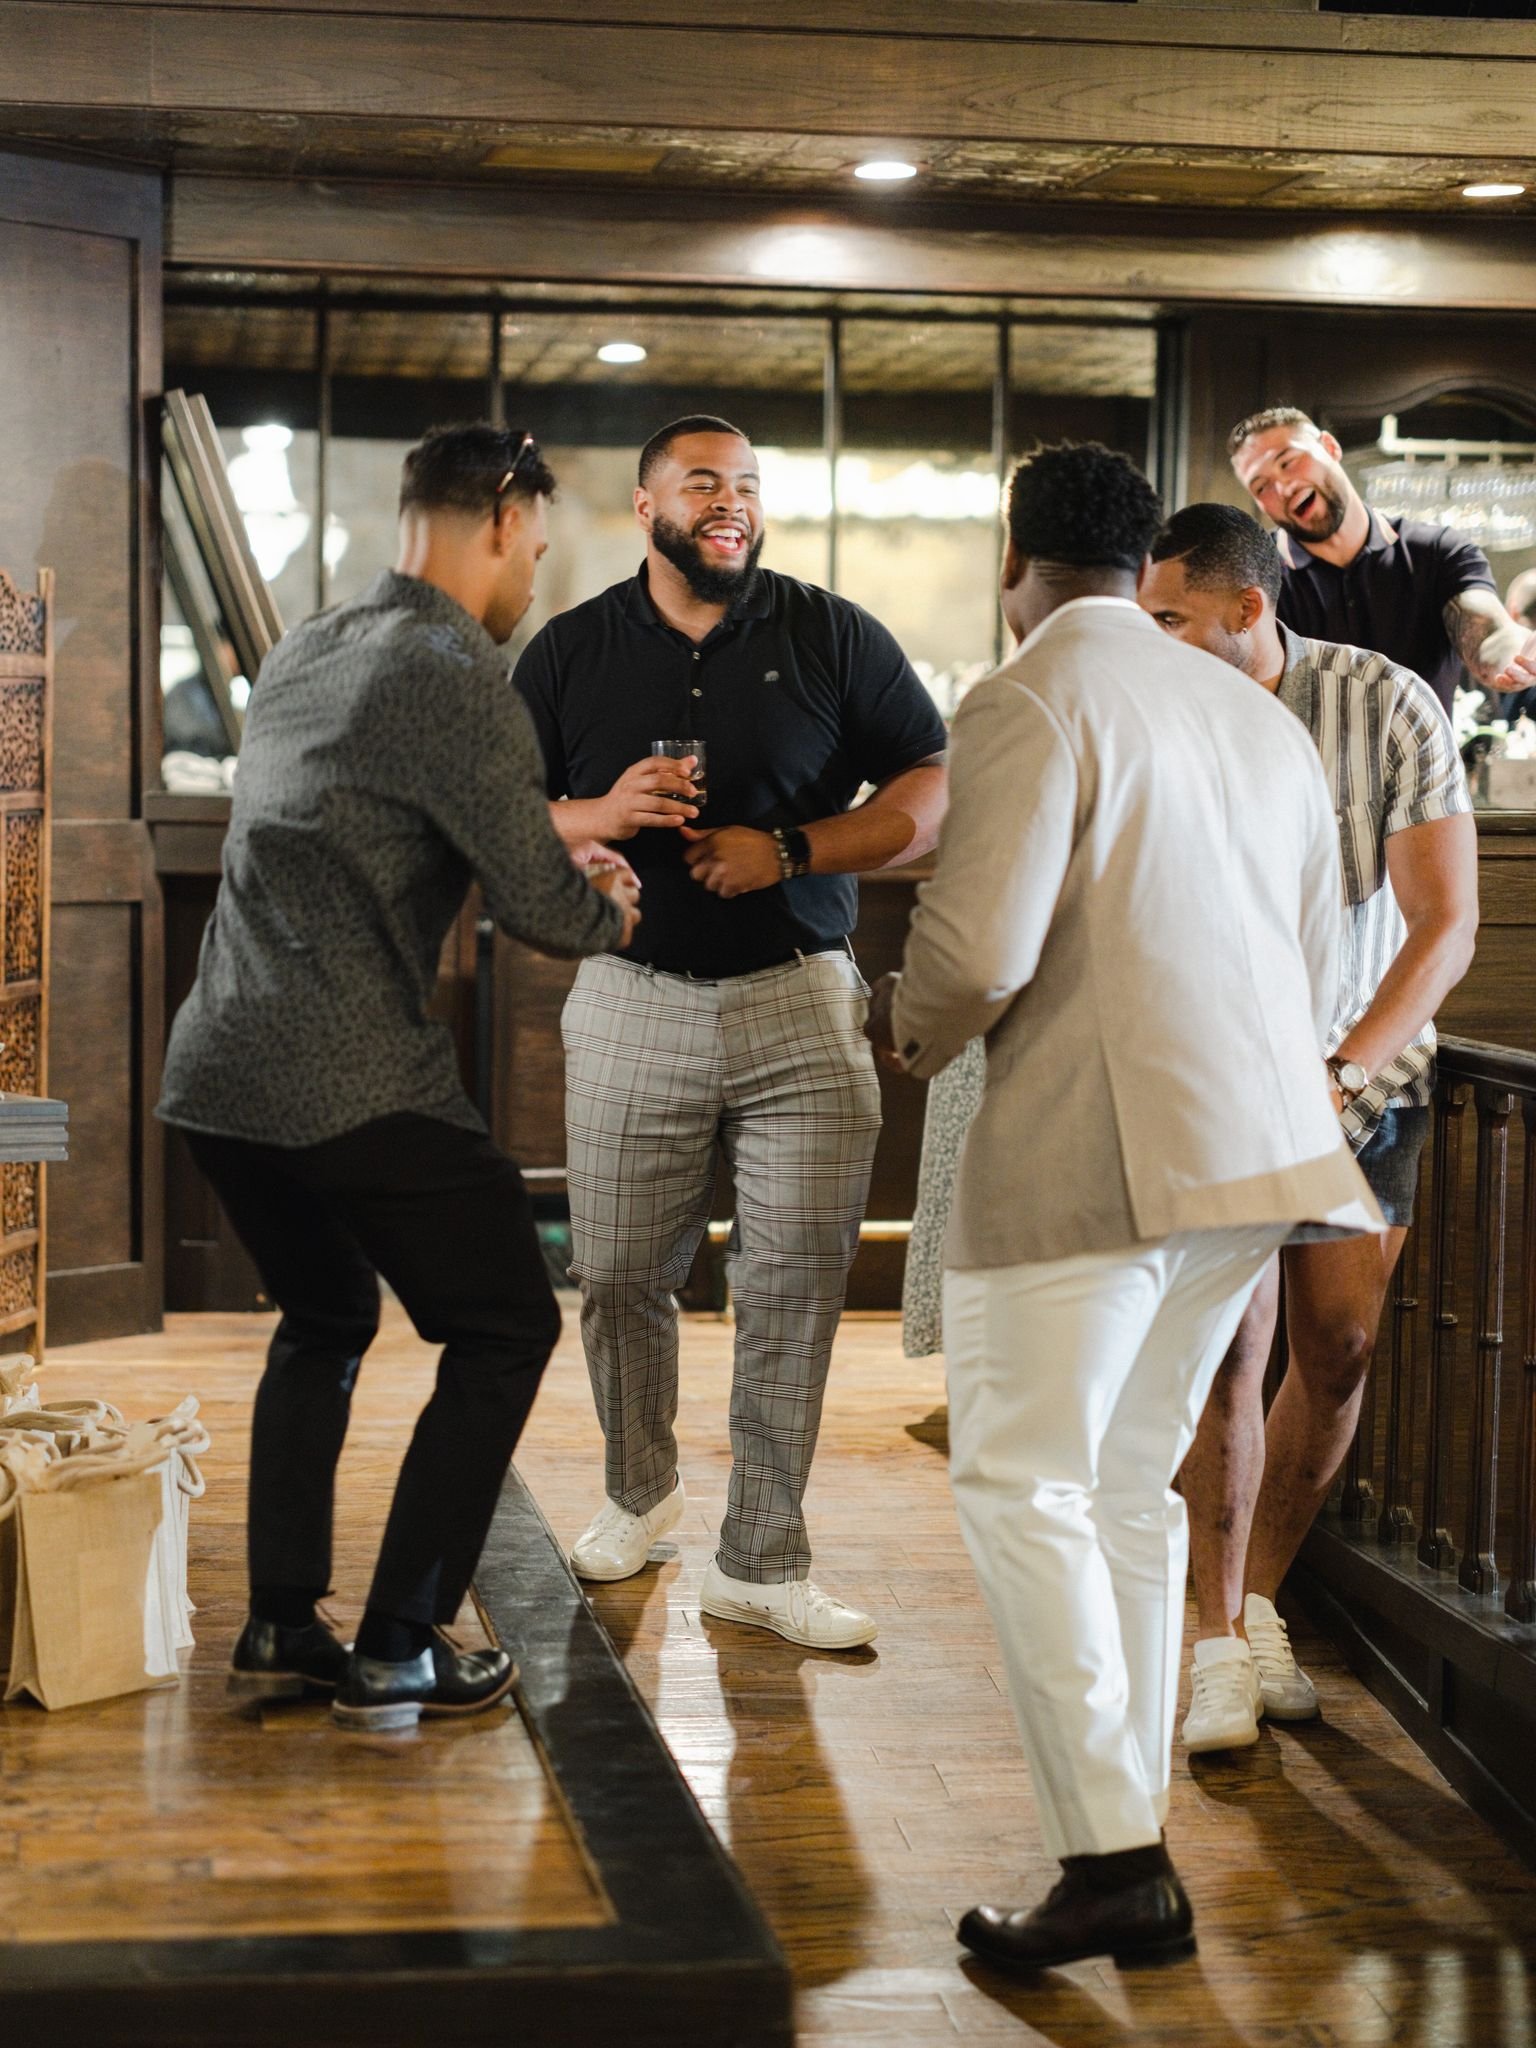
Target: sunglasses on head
527,458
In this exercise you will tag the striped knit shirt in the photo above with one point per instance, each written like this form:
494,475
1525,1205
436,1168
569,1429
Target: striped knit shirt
1391,761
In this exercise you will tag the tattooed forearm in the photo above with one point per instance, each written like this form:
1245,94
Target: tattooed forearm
1483,634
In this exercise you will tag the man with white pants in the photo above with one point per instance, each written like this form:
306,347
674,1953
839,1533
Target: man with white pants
1137,891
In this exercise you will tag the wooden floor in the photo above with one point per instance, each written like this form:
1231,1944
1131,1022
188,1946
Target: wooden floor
1346,1897
163,1814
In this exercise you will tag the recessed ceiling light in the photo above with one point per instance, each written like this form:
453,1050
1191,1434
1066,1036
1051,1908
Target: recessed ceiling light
1491,190
621,352
885,170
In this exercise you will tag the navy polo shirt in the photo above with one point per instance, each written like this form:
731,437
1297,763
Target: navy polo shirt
1390,599
800,697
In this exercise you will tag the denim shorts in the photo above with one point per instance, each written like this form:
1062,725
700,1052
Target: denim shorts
1389,1159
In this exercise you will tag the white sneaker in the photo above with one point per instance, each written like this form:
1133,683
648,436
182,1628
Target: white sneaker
1288,1693
1224,1704
796,1610
616,1544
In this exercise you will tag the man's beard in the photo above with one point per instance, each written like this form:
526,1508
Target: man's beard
1337,508
709,582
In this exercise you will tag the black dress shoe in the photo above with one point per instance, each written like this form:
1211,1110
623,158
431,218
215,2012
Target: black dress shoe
442,1680
272,1662
1133,1910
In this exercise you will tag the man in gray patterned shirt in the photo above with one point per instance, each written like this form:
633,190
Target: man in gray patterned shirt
1408,853
387,764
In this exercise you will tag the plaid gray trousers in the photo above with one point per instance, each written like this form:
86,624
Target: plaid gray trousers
773,1070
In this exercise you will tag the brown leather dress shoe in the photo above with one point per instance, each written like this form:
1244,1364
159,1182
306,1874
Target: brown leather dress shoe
1129,1905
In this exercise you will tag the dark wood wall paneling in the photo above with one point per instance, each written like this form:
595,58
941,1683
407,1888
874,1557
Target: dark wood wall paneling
1497,1000
206,1266
79,358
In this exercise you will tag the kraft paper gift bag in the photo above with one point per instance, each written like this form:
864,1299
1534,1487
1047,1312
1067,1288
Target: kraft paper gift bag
83,1562
93,1548
22,1460
100,1567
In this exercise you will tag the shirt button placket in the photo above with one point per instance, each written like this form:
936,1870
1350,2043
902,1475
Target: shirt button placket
697,659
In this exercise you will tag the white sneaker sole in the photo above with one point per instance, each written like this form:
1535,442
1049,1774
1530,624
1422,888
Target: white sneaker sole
671,1512
1308,1712
1207,1745
757,1617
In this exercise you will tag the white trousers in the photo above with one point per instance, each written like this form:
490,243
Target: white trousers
1075,1386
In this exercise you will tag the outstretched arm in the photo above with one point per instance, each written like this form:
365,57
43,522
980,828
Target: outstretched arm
1499,651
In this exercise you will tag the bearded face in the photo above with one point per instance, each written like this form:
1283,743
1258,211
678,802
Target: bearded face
701,504
716,557
1294,477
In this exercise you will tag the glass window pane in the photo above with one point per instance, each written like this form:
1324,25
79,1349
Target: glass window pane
917,491
394,374
1088,383
594,387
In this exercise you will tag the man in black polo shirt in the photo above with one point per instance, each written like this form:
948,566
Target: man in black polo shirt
1421,595
734,1023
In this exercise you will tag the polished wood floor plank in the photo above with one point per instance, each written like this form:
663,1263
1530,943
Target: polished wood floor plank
1346,1897
164,1814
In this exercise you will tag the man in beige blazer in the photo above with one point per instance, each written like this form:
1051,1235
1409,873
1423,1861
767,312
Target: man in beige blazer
1137,903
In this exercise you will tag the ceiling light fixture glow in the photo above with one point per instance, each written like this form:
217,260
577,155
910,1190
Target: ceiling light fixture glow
1491,189
621,352
885,171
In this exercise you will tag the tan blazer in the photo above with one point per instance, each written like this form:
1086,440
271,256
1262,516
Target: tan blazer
1138,902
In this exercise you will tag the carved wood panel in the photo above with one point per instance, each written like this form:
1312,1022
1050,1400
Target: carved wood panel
26,694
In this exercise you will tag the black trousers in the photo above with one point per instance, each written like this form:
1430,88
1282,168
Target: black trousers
445,1218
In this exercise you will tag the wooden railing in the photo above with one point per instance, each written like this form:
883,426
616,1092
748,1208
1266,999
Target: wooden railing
1448,1428
1424,1568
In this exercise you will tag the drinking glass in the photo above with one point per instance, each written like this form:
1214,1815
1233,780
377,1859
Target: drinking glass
679,750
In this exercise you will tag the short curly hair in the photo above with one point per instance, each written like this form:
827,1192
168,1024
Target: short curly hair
1083,505
1221,549
1261,422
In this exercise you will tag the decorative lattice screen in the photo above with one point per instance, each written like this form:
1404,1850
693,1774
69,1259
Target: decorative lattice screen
26,702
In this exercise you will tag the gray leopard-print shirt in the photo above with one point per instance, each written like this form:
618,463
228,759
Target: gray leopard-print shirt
387,762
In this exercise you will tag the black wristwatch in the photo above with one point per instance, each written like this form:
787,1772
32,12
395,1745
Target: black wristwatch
794,851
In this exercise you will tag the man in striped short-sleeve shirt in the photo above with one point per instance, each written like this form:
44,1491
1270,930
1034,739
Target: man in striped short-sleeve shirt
1408,854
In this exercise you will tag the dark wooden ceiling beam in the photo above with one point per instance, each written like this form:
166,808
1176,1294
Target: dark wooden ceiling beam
313,65
477,231
1259,27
